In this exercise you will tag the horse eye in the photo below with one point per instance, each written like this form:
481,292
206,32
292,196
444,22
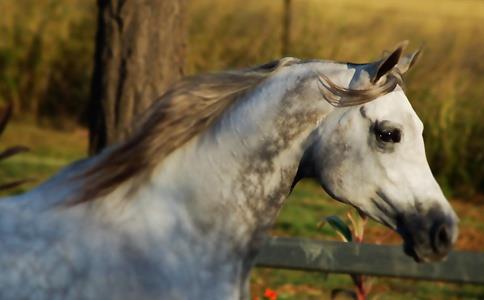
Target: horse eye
388,135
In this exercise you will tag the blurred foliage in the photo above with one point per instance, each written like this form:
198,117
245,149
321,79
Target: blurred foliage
46,55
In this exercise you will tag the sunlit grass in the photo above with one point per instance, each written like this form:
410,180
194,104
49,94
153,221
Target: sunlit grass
446,87
46,55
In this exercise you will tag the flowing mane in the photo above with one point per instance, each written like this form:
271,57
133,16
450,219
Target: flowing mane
184,111
187,109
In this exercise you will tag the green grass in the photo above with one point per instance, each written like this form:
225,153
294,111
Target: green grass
299,217
50,150
297,285
306,206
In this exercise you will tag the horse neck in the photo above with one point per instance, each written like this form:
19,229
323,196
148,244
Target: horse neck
235,176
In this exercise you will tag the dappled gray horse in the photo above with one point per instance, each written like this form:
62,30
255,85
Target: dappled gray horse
180,209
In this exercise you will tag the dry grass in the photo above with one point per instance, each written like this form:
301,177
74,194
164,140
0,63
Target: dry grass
46,58
446,88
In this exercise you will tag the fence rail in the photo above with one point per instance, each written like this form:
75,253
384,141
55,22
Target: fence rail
376,260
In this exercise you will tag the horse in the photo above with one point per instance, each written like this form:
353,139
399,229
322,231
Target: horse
180,209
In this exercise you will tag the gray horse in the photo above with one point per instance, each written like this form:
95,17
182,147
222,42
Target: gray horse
180,209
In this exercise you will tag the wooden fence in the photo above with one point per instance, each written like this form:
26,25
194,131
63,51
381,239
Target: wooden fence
375,260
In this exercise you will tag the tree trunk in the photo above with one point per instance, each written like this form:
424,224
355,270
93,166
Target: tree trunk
140,51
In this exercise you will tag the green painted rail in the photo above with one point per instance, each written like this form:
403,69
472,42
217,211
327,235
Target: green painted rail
375,260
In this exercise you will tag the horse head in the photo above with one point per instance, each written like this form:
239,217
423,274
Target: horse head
372,156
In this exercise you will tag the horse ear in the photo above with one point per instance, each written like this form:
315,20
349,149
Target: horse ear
406,62
381,67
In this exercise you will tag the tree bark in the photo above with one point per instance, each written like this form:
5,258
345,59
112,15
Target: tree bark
140,51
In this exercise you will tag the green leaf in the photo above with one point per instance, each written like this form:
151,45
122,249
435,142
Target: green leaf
340,227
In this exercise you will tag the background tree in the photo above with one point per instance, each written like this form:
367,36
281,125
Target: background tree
140,51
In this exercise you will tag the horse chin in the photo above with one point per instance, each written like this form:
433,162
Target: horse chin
410,251
420,255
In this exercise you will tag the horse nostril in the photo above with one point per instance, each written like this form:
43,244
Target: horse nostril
442,239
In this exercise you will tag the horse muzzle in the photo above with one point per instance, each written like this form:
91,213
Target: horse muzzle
428,237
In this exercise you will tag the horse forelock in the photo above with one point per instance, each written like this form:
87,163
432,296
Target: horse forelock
343,97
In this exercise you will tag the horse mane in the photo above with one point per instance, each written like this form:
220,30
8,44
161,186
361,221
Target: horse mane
183,112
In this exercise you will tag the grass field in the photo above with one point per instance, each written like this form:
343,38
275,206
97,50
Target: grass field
47,47
446,87
51,150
